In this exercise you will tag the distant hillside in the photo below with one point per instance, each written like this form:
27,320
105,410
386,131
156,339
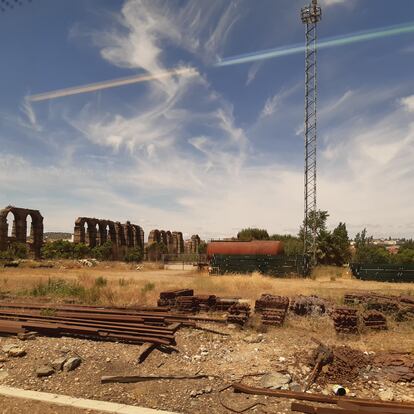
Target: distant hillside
51,236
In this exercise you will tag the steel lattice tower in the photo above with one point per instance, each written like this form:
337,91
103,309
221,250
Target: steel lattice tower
310,16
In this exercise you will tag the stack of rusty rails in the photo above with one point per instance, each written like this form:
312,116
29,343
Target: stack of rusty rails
356,298
405,299
187,304
207,303
168,298
273,309
130,333
344,405
374,320
149,315
383,304
345,320
308,305
353,407
224,304
238,313
135,326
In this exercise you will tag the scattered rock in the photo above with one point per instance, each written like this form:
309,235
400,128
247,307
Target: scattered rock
16,352
72,363
386,395
275,380
58,363
6,348
3,375
253,339
294,386
27,336
45,371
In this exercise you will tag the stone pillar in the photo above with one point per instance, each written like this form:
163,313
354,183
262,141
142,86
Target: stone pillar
3,232
37,225
120,236
92,233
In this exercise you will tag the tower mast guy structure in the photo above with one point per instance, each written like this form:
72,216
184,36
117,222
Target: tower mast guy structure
310,16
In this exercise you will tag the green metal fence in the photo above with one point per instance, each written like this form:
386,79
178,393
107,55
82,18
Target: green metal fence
265,264
383,272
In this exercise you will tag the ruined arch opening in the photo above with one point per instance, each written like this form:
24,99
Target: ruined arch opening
29,229
11,224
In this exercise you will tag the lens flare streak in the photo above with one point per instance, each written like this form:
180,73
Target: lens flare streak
323,44
92,87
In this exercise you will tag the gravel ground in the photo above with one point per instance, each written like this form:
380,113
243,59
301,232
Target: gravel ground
224,359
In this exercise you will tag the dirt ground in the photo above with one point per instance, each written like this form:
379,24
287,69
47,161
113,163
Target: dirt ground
223,359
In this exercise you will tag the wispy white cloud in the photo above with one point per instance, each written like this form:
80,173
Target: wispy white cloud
408,103
253,71
327,3
273,103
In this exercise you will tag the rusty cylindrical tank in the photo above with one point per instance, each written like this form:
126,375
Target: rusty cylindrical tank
255,247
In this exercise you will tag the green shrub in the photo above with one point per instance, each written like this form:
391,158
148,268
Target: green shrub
100,281
103,252
148,287
59,249
134,254
56,287
123,282
81,251
15,251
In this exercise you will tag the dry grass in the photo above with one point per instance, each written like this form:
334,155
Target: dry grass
124,285
121,284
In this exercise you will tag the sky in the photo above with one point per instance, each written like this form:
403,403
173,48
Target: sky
216,151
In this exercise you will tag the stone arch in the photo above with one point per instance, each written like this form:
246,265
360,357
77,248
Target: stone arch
11,224
19,232
87,235
103,230
111,233
128,232
137,235
120,235
154,236
169,239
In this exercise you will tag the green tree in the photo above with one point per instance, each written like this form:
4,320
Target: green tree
367,252
155,250
103,252
292,245
202,248
134,254
18,250
249,234
332,248
59,249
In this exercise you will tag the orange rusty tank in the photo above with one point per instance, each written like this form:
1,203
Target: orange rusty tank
255,247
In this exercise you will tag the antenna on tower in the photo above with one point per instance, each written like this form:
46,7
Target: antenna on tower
310,16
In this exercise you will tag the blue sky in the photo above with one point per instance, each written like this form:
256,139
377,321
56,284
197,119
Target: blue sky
214,152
